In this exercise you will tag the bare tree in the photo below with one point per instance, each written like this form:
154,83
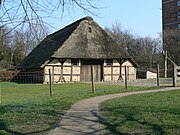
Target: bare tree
145,50
5,50
31,41
171,43
23,24
17,44
32,13
121,36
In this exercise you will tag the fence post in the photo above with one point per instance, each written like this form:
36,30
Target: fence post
0,96
126,77
158,75
50,83
165,65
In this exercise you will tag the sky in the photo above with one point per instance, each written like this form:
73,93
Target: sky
141,17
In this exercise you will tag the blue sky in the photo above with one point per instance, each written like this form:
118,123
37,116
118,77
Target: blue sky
142,17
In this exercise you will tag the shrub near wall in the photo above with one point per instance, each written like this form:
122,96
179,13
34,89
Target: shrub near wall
7,75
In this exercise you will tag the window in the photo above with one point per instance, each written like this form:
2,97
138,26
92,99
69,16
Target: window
109,62
90,30
75,62
178,26
178,15
178,72
178,3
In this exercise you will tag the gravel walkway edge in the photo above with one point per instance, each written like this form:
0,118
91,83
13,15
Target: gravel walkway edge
84,119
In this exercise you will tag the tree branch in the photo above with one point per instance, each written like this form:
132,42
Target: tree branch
29,13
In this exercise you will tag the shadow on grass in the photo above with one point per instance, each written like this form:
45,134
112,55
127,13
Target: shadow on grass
4,127
17,111
130,117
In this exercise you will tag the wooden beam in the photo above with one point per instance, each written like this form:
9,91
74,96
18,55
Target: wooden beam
112,72
62,60
52,74
92,78
120,61
71,72
126,77
61,79
102,71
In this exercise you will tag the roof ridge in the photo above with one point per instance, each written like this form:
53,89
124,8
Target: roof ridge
89,18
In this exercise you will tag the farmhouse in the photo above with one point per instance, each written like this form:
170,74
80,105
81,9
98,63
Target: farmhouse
72,52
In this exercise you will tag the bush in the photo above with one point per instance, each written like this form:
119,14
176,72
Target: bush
8,75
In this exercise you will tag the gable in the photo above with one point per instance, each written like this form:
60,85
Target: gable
90,41
83,39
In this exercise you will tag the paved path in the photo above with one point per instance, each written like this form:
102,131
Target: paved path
83,118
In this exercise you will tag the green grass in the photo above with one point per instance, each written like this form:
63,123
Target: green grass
156,113
28,108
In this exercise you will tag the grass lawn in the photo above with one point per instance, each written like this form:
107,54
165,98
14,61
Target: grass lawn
28,108
157,114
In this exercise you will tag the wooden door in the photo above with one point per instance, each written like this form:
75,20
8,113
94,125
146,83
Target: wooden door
86,73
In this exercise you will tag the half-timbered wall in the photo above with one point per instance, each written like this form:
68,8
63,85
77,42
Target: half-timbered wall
72,72
112,72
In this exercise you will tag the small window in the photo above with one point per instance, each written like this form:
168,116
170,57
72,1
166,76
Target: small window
75,62
90,30
109,62
178,3
178,72
178,15
178,26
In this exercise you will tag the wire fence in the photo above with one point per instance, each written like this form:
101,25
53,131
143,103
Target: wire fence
41,77
37,77
21,76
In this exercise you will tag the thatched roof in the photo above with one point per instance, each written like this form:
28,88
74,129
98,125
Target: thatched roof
83,39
